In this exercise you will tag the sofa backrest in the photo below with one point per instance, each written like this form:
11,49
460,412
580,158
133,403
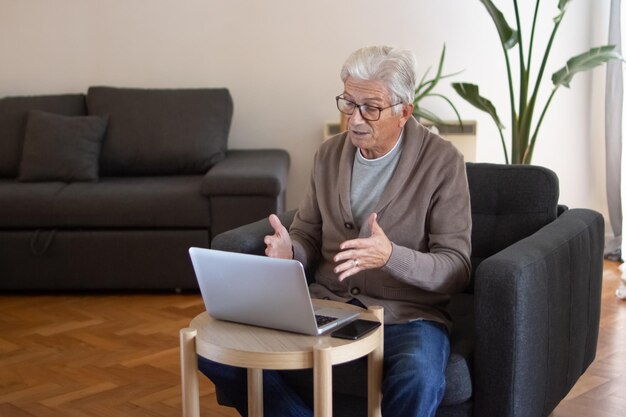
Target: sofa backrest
509,203
13,117
161,131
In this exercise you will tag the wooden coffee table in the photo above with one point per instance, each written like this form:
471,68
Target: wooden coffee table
257,348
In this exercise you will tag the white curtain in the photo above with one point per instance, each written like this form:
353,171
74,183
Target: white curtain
613,132
616,154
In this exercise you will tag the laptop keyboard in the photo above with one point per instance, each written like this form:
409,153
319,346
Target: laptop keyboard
322,320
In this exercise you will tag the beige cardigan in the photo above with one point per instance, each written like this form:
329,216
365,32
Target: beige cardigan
424,211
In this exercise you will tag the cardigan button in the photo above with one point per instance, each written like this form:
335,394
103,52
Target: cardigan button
355,291
348,226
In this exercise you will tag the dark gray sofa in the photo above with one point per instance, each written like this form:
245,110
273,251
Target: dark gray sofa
527,327
108,190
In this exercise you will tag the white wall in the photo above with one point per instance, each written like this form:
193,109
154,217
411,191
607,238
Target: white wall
281,59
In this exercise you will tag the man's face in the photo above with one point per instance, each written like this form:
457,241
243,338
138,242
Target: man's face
374,138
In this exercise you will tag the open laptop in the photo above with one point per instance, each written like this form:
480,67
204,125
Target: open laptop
261,291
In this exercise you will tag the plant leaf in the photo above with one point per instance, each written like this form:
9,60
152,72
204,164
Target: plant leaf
422,83
429,85
428,82
420,112
472,95
508,36
584,62
456,112
440,66
562,6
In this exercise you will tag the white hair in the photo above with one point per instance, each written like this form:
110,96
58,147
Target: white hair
395,68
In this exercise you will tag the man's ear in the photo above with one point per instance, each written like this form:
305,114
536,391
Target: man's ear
407,112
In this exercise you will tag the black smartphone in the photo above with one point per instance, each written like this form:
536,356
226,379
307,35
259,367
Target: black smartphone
355,329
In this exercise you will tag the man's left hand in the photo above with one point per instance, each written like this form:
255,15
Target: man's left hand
365,253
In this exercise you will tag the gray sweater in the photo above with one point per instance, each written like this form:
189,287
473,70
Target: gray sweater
424,211
369,180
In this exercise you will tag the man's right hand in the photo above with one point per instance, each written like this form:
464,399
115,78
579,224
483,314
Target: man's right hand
278,244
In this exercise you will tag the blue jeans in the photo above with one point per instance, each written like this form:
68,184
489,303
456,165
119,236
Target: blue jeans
416,355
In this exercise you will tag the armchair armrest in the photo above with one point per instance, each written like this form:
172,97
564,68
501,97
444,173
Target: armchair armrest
246,186
537,306
249,238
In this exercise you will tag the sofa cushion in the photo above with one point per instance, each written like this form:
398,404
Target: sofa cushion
13,116
112,202
62,148
171,201
27,205
162,132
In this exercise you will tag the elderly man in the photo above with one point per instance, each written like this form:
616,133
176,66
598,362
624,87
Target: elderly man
386,221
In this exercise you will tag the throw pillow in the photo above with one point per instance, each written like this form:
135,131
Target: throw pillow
61,148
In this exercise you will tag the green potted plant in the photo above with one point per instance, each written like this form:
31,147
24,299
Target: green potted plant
523,133
425,89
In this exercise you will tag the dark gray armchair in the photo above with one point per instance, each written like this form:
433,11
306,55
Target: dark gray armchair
527,326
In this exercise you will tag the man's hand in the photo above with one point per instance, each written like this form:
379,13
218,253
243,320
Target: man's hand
278,244
366,253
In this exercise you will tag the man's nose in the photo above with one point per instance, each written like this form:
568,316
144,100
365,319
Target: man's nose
356,116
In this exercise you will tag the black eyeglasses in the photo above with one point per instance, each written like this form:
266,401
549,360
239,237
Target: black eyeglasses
370,113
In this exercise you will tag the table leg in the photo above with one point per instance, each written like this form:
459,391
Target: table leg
322,382
375,369
255,392
189,373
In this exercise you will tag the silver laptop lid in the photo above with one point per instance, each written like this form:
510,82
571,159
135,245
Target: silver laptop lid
256,290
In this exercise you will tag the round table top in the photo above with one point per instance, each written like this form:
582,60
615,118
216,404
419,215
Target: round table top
258,347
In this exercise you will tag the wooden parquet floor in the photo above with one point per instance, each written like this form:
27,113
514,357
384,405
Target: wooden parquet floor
88,355
117,355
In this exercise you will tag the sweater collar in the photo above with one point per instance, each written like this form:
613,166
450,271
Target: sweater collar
414,135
